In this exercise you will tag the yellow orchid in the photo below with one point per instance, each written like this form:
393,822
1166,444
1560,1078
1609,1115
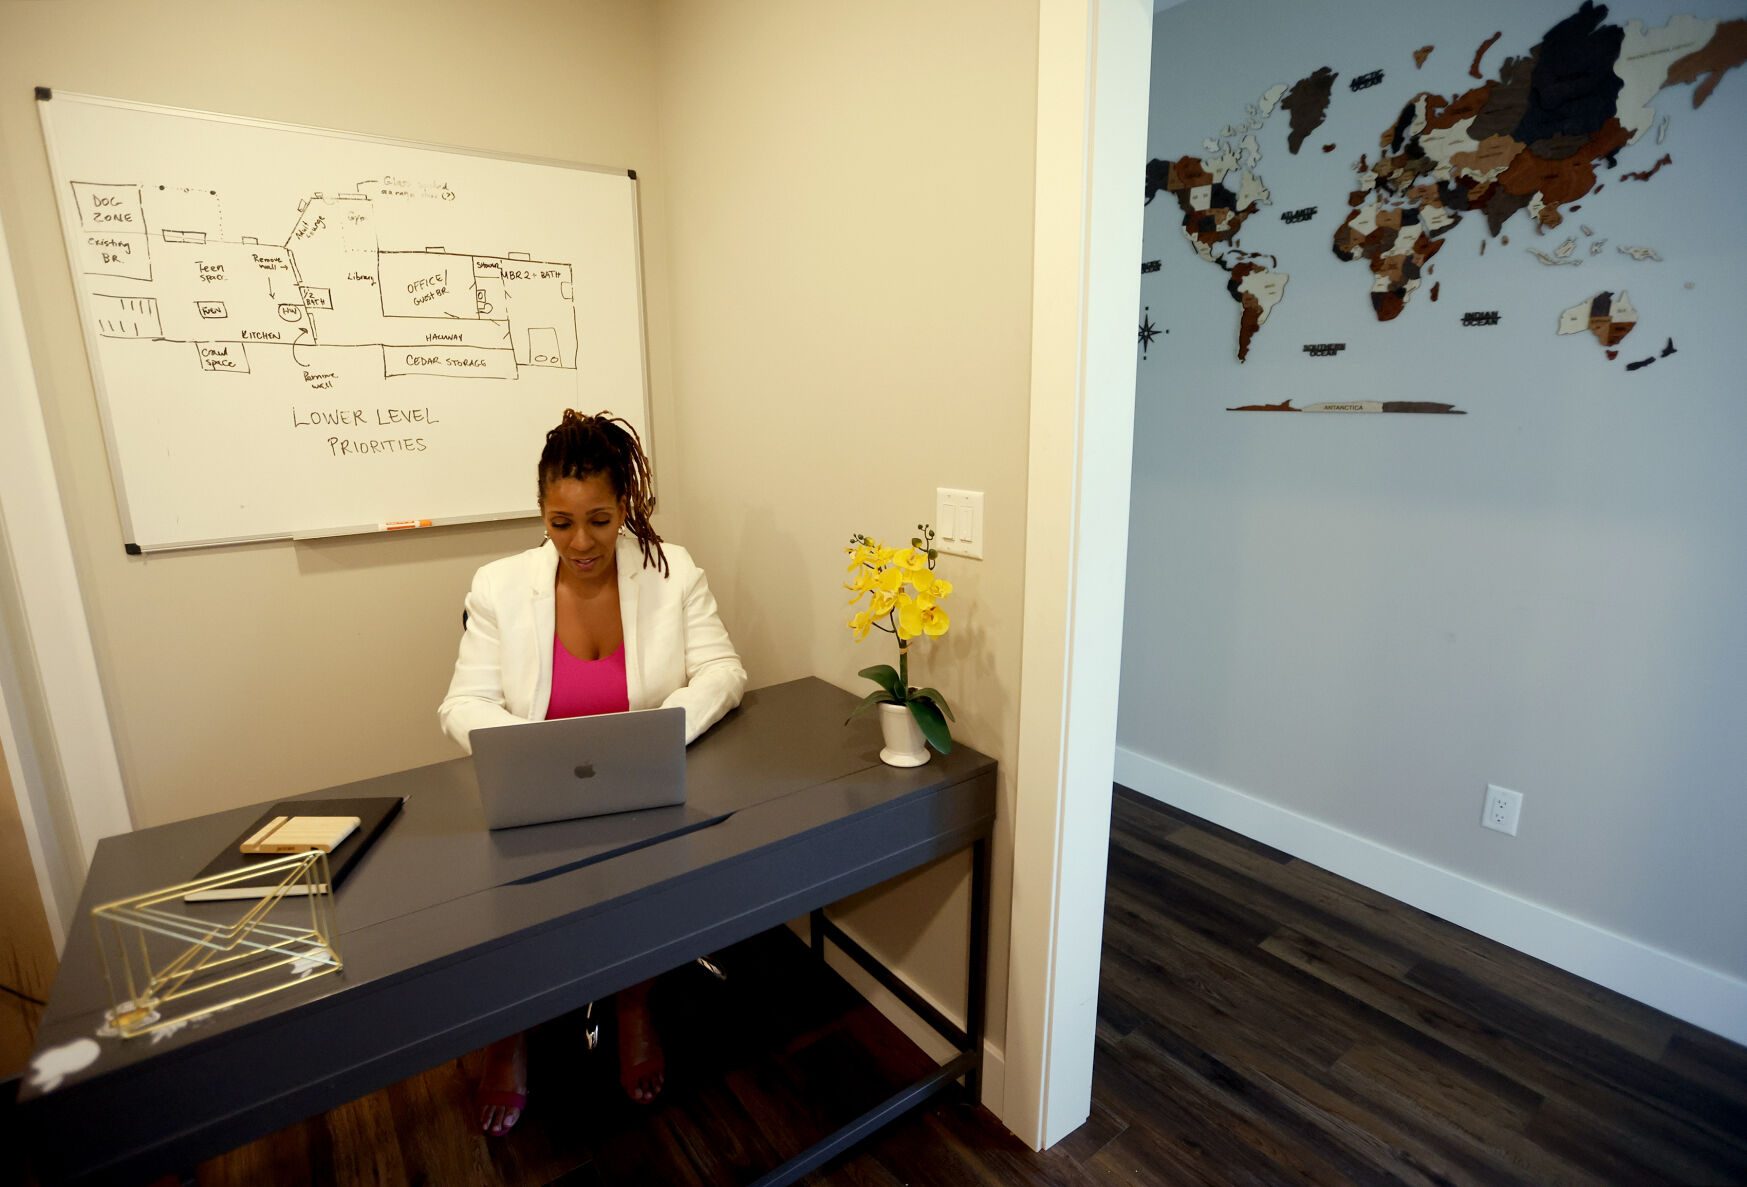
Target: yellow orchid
902,591
903,596
909,618
927,585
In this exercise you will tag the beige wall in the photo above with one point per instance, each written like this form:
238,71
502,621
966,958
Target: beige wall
241,673
850,226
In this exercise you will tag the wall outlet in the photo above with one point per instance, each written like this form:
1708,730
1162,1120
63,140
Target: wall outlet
1503,808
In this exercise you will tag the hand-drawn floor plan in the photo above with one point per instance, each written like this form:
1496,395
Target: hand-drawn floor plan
329,284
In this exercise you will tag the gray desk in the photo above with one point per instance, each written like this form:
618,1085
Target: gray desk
453,936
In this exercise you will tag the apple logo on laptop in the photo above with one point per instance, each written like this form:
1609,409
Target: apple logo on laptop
585,771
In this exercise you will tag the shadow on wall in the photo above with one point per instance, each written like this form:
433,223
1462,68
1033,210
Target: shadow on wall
961,663
772,648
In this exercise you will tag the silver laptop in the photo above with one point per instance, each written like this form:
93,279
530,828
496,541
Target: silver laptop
539,771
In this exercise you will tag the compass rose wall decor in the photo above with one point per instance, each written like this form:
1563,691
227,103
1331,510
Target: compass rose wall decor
1148,331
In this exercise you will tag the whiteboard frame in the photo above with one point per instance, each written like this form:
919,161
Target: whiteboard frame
45,98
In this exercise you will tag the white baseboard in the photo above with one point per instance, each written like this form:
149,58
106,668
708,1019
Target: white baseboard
916,1030
1699,995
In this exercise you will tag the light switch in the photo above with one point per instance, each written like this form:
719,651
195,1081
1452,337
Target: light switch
958,522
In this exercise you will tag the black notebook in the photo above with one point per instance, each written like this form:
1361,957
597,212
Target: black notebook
374,814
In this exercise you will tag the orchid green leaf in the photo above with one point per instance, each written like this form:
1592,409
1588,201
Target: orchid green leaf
886,677
933,725
877,697
933,694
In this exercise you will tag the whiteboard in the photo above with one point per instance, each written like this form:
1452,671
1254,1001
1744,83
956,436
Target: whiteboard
299,332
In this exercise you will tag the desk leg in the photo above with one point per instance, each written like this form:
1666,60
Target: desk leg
968,1063
978,982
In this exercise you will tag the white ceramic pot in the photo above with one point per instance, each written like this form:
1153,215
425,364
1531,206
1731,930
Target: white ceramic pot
905,745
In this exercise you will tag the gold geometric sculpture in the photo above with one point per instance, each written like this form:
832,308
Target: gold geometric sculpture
162,956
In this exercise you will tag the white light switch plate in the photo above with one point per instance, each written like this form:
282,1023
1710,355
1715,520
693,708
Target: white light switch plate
958,522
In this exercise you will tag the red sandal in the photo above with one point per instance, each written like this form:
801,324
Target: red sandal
502,1091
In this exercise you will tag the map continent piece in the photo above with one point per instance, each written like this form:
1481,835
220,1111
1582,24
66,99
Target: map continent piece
1307,102
1726,49
1258,291
1646,57
1527,141
1652,171
1474,66
1269,100
1214,211
1609,316
1398,245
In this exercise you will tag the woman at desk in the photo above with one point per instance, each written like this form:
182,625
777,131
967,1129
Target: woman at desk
599,618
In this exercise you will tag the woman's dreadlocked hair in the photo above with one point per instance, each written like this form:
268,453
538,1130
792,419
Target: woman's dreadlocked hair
583,446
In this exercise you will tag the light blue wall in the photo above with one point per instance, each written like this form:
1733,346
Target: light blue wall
1366,619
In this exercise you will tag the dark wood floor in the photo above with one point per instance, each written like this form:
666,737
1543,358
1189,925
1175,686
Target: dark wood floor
1260,1021
761,1066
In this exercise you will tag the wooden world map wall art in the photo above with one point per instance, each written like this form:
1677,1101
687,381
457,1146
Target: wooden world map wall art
1536,137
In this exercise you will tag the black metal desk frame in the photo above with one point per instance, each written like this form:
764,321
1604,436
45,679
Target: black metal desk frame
968,1040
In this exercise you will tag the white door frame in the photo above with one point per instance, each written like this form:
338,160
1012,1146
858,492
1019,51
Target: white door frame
1094,64
54,727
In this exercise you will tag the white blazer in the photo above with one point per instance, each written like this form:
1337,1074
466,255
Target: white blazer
676,650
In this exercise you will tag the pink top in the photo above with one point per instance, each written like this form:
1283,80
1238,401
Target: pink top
584,687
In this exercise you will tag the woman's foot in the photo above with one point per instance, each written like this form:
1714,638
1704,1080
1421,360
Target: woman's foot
503,1085
642,1066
